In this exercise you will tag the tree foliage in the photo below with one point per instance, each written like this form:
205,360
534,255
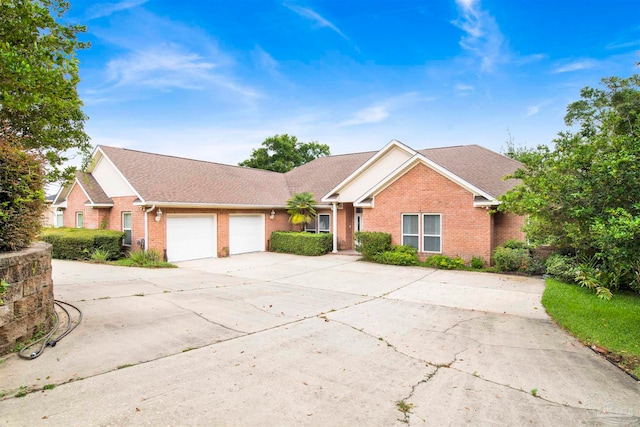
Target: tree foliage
39,103
281,153
21,196
302,209
584,192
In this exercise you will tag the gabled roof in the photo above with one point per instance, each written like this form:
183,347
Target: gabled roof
89,186
176,181
324,173
161,179
483,168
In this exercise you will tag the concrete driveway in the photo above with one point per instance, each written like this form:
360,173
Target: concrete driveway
272,339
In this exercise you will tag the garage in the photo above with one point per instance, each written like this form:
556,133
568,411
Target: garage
191,237
246,234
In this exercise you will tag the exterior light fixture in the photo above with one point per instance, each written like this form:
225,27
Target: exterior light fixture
272,214
158,215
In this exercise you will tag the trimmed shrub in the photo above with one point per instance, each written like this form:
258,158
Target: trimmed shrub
444,262
301,243
371,243
21,196
562,267
509,259
400,255
80,243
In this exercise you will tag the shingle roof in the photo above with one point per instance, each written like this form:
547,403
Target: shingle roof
324,173
160,178
483,168
92,188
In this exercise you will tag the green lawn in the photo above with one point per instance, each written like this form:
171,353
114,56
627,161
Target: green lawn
613,325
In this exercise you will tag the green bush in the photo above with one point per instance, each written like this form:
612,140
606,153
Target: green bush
301,243
371,243
21,196
399,255
81,243
477,262
444,262
509,259
562,267
515,244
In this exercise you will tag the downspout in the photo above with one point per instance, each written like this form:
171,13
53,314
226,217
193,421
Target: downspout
334,209
146,226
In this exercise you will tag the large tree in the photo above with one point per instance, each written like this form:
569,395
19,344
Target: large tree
39,102
584,192
281,153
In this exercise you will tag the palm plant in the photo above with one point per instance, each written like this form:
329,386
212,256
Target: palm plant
302,209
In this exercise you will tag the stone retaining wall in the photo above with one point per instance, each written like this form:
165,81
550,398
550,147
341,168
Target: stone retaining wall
28,300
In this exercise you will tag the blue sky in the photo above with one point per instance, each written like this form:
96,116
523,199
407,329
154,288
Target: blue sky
212,79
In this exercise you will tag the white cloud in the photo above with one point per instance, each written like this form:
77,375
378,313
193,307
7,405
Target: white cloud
309,13
101,10
582,64
380,111
482,35
532,110
167,67
264,60
464,89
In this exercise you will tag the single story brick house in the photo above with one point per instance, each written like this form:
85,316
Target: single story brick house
437,200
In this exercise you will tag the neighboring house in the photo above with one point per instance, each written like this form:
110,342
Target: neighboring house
49,215
437,200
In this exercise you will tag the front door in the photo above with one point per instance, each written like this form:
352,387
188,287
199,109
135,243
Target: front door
357,226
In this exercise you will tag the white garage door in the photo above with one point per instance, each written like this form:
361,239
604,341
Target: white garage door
191,237
246,234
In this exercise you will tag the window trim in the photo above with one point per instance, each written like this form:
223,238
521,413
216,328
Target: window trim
124,239
439,236
79,219
407,234
316,225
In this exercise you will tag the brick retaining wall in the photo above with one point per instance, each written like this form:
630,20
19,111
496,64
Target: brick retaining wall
28,301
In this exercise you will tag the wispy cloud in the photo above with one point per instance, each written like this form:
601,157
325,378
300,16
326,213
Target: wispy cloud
314,16
532,110
482,35
581,64
101,10
463,89
167,67
265,61
380,111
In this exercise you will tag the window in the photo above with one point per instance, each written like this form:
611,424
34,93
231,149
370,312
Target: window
431,233
79,219
322,224
126,227
59,219
410,231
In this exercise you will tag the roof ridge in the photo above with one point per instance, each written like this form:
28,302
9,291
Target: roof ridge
187,158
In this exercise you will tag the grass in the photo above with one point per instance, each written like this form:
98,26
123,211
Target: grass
613,325
148,259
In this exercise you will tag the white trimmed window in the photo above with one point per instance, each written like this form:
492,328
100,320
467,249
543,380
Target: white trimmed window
411,230
322,224
126,227
79,219
431,234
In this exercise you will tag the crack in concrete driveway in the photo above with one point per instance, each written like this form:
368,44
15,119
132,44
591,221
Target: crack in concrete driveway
276,339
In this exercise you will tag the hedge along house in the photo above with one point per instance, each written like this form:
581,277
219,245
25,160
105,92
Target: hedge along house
436,200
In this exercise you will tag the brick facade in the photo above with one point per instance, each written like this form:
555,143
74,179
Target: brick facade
466,231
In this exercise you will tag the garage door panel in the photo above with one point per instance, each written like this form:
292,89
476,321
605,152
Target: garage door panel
246,234
191,237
